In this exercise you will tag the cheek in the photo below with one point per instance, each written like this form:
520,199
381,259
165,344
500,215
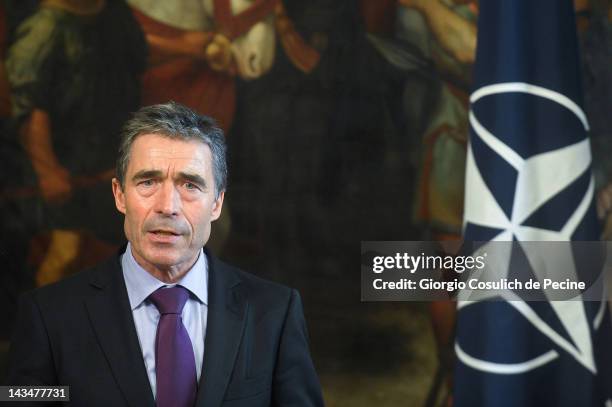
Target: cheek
199,221
136,213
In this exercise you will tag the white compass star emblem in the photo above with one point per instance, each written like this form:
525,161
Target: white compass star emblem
539,179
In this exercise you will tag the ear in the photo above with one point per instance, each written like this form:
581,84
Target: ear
216,208
119,196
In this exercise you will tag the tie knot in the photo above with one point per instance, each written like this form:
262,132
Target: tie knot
170,300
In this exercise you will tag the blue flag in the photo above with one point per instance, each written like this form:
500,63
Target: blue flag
528,178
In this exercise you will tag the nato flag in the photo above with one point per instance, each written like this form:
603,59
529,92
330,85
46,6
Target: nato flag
528,178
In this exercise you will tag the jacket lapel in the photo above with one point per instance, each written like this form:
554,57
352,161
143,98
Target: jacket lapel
227,309
111,317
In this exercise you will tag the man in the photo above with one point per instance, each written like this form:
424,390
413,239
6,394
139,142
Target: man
224,337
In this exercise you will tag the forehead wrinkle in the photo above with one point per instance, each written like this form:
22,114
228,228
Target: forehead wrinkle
176,154
172,153
175,164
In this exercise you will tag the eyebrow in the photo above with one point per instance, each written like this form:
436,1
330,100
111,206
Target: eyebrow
194,178
147,174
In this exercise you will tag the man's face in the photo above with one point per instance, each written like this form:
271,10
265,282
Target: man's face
168,201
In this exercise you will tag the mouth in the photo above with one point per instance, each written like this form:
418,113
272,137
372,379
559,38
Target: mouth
164,233
164,236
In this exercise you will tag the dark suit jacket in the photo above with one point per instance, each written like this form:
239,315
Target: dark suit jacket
80,332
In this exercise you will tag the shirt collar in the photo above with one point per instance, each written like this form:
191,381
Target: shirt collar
140,283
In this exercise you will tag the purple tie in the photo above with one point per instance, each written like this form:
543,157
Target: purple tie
174,361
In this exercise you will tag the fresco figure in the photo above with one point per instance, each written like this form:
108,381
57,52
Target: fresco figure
73,69
450,35
197,47
432,46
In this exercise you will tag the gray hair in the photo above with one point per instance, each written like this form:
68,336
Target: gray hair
174,121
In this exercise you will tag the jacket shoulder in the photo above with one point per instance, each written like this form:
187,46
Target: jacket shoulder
262,291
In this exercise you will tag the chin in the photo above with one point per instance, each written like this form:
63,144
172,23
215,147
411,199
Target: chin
165,259
161,256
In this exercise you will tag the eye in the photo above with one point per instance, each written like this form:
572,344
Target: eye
191,186
146,182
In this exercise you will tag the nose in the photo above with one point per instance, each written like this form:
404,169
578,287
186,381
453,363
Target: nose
168,200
